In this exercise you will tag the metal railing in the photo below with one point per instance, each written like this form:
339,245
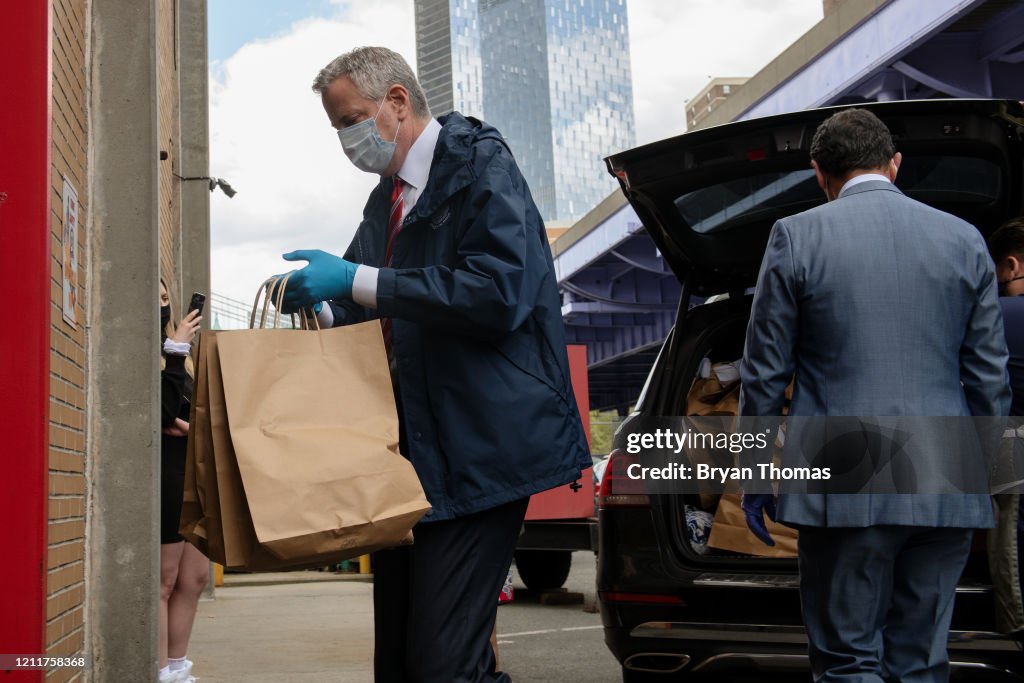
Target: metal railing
230,314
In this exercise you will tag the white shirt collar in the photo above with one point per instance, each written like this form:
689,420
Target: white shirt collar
416,167
863,178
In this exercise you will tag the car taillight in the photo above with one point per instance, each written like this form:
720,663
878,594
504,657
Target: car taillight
618,489
756,154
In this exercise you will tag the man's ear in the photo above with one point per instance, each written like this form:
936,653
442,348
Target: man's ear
820,176
1013,263
400,96
894,166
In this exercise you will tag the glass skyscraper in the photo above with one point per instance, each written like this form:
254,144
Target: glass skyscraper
552,75
448,55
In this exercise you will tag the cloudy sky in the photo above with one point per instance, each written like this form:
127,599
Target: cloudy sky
296,190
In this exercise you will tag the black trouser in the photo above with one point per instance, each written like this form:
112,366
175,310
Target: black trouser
435,602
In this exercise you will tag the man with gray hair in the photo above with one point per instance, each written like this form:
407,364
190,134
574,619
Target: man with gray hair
452,257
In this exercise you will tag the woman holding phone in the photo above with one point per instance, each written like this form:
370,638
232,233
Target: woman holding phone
184,571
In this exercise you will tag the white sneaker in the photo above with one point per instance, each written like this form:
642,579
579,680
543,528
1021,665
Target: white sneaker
186,673
183,675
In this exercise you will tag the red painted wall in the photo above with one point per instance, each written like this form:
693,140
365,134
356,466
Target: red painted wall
25,76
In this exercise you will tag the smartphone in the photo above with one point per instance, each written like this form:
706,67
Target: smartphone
198,299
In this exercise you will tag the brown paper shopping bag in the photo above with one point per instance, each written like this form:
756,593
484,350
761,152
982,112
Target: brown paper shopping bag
192,525
234,522
312,421
730,532
198,510
239,548
709,397
217,522
334,484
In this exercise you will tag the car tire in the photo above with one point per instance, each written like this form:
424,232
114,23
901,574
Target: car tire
543,570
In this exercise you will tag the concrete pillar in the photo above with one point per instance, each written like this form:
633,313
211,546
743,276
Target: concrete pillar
122,573
194,105
195,150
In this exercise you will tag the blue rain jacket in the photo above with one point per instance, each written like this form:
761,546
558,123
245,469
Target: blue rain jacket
487,406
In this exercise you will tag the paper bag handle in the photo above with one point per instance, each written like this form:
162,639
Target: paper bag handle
311,316
277,284
270,284
309,320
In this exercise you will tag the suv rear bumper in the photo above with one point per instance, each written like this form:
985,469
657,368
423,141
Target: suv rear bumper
758,633
714,648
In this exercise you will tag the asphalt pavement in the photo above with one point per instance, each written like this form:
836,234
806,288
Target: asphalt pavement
317,627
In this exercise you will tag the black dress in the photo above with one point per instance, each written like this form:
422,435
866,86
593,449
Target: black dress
176,393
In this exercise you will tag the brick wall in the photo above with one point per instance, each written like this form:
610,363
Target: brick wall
69,376
66,587
66,528
170,186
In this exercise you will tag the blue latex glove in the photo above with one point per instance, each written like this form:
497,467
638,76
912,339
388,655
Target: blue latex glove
326,277
755,505
272,295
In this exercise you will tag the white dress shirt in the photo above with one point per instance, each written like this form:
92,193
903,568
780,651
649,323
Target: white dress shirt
413,174
863,178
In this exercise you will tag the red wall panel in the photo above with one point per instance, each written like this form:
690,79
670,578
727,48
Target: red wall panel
25,54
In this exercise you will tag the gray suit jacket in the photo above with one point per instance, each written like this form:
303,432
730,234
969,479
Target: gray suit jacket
881,306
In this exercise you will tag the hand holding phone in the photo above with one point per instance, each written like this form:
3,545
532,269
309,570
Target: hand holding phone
198,299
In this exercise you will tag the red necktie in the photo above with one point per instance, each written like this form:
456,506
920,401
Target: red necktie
394,226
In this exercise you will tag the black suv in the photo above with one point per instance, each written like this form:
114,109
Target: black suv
709,199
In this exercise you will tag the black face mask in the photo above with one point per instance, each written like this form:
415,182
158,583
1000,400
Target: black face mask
165,316
1003,285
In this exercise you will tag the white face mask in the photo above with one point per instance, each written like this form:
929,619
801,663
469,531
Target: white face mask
364,146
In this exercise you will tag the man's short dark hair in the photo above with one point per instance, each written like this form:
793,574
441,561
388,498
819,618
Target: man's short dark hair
851,140
1008,240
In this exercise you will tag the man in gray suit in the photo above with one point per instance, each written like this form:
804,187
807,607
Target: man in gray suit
880,305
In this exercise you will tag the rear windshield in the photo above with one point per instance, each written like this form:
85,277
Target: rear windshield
942,181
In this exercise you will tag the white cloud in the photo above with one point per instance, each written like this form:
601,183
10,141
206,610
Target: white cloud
676,47
271,139
296,189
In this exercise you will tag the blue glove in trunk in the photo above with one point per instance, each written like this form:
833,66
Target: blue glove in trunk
755,505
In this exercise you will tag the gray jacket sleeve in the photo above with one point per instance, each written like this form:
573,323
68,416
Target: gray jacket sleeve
769,354
983,354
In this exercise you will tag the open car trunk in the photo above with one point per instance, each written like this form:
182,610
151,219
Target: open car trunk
709,200
715,332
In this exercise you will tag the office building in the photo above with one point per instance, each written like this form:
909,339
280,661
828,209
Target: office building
553,77
717,91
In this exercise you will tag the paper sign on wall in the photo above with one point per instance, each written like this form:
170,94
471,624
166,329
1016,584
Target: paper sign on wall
69,242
